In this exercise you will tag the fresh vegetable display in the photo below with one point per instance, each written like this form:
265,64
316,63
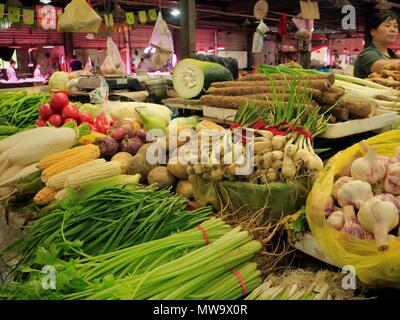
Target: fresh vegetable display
138,209
60,111
131,201
20,109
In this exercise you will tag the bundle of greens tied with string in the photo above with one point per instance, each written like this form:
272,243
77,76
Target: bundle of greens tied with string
98,219
283,140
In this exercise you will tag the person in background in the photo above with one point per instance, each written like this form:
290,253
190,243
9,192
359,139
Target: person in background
37,73
382,33
75,64
11,73
136,60
142,64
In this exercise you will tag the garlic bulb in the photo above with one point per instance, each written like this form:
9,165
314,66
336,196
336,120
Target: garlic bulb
379,217
396,158
330,207
385,160
336,220
351,225
338,184
391,183
354,193
389,197
368,168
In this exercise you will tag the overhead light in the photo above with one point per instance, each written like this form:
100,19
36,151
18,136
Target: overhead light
221,48
90,36
210,50
14,45
32,49
45,1
175,12
48,46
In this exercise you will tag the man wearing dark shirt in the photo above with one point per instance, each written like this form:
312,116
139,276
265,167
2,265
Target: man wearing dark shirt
75,64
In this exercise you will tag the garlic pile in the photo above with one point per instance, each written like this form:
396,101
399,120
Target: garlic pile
378,214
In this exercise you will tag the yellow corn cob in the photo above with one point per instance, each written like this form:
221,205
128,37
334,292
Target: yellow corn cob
105,170
44,196
57,181
57,157
61,194
89,154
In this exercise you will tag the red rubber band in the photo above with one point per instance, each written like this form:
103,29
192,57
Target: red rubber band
205,235
239,276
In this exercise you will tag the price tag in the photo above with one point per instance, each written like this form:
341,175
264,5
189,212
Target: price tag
28,16
153,14
14,14
142,17
1,10
109,20
130,18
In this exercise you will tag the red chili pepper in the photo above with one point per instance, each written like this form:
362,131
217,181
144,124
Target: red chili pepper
101,123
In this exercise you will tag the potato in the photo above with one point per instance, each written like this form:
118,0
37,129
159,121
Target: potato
139,164
178,169
125,159
161,176
185,188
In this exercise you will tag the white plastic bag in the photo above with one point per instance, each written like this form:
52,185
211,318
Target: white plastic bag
161,39
113,63
100,94
78,16
258,38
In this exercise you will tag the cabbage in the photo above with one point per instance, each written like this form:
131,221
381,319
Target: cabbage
91,108
58,80
128,110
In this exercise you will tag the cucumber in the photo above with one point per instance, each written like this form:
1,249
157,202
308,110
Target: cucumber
192,77
8,130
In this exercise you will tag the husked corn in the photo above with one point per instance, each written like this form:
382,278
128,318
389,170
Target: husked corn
60,156
57,181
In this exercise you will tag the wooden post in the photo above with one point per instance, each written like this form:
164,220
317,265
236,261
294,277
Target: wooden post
68,49
250,57
188,29
127,42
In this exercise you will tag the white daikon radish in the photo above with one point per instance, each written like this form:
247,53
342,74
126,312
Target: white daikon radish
31,150
22,136
10,172
21,174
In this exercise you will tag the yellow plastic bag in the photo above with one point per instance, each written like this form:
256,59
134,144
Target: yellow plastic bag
79,17
374,268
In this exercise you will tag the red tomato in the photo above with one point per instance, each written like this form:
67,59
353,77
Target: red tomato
45,111
55,120
58,101
69,120
86,117
40,123
70,112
